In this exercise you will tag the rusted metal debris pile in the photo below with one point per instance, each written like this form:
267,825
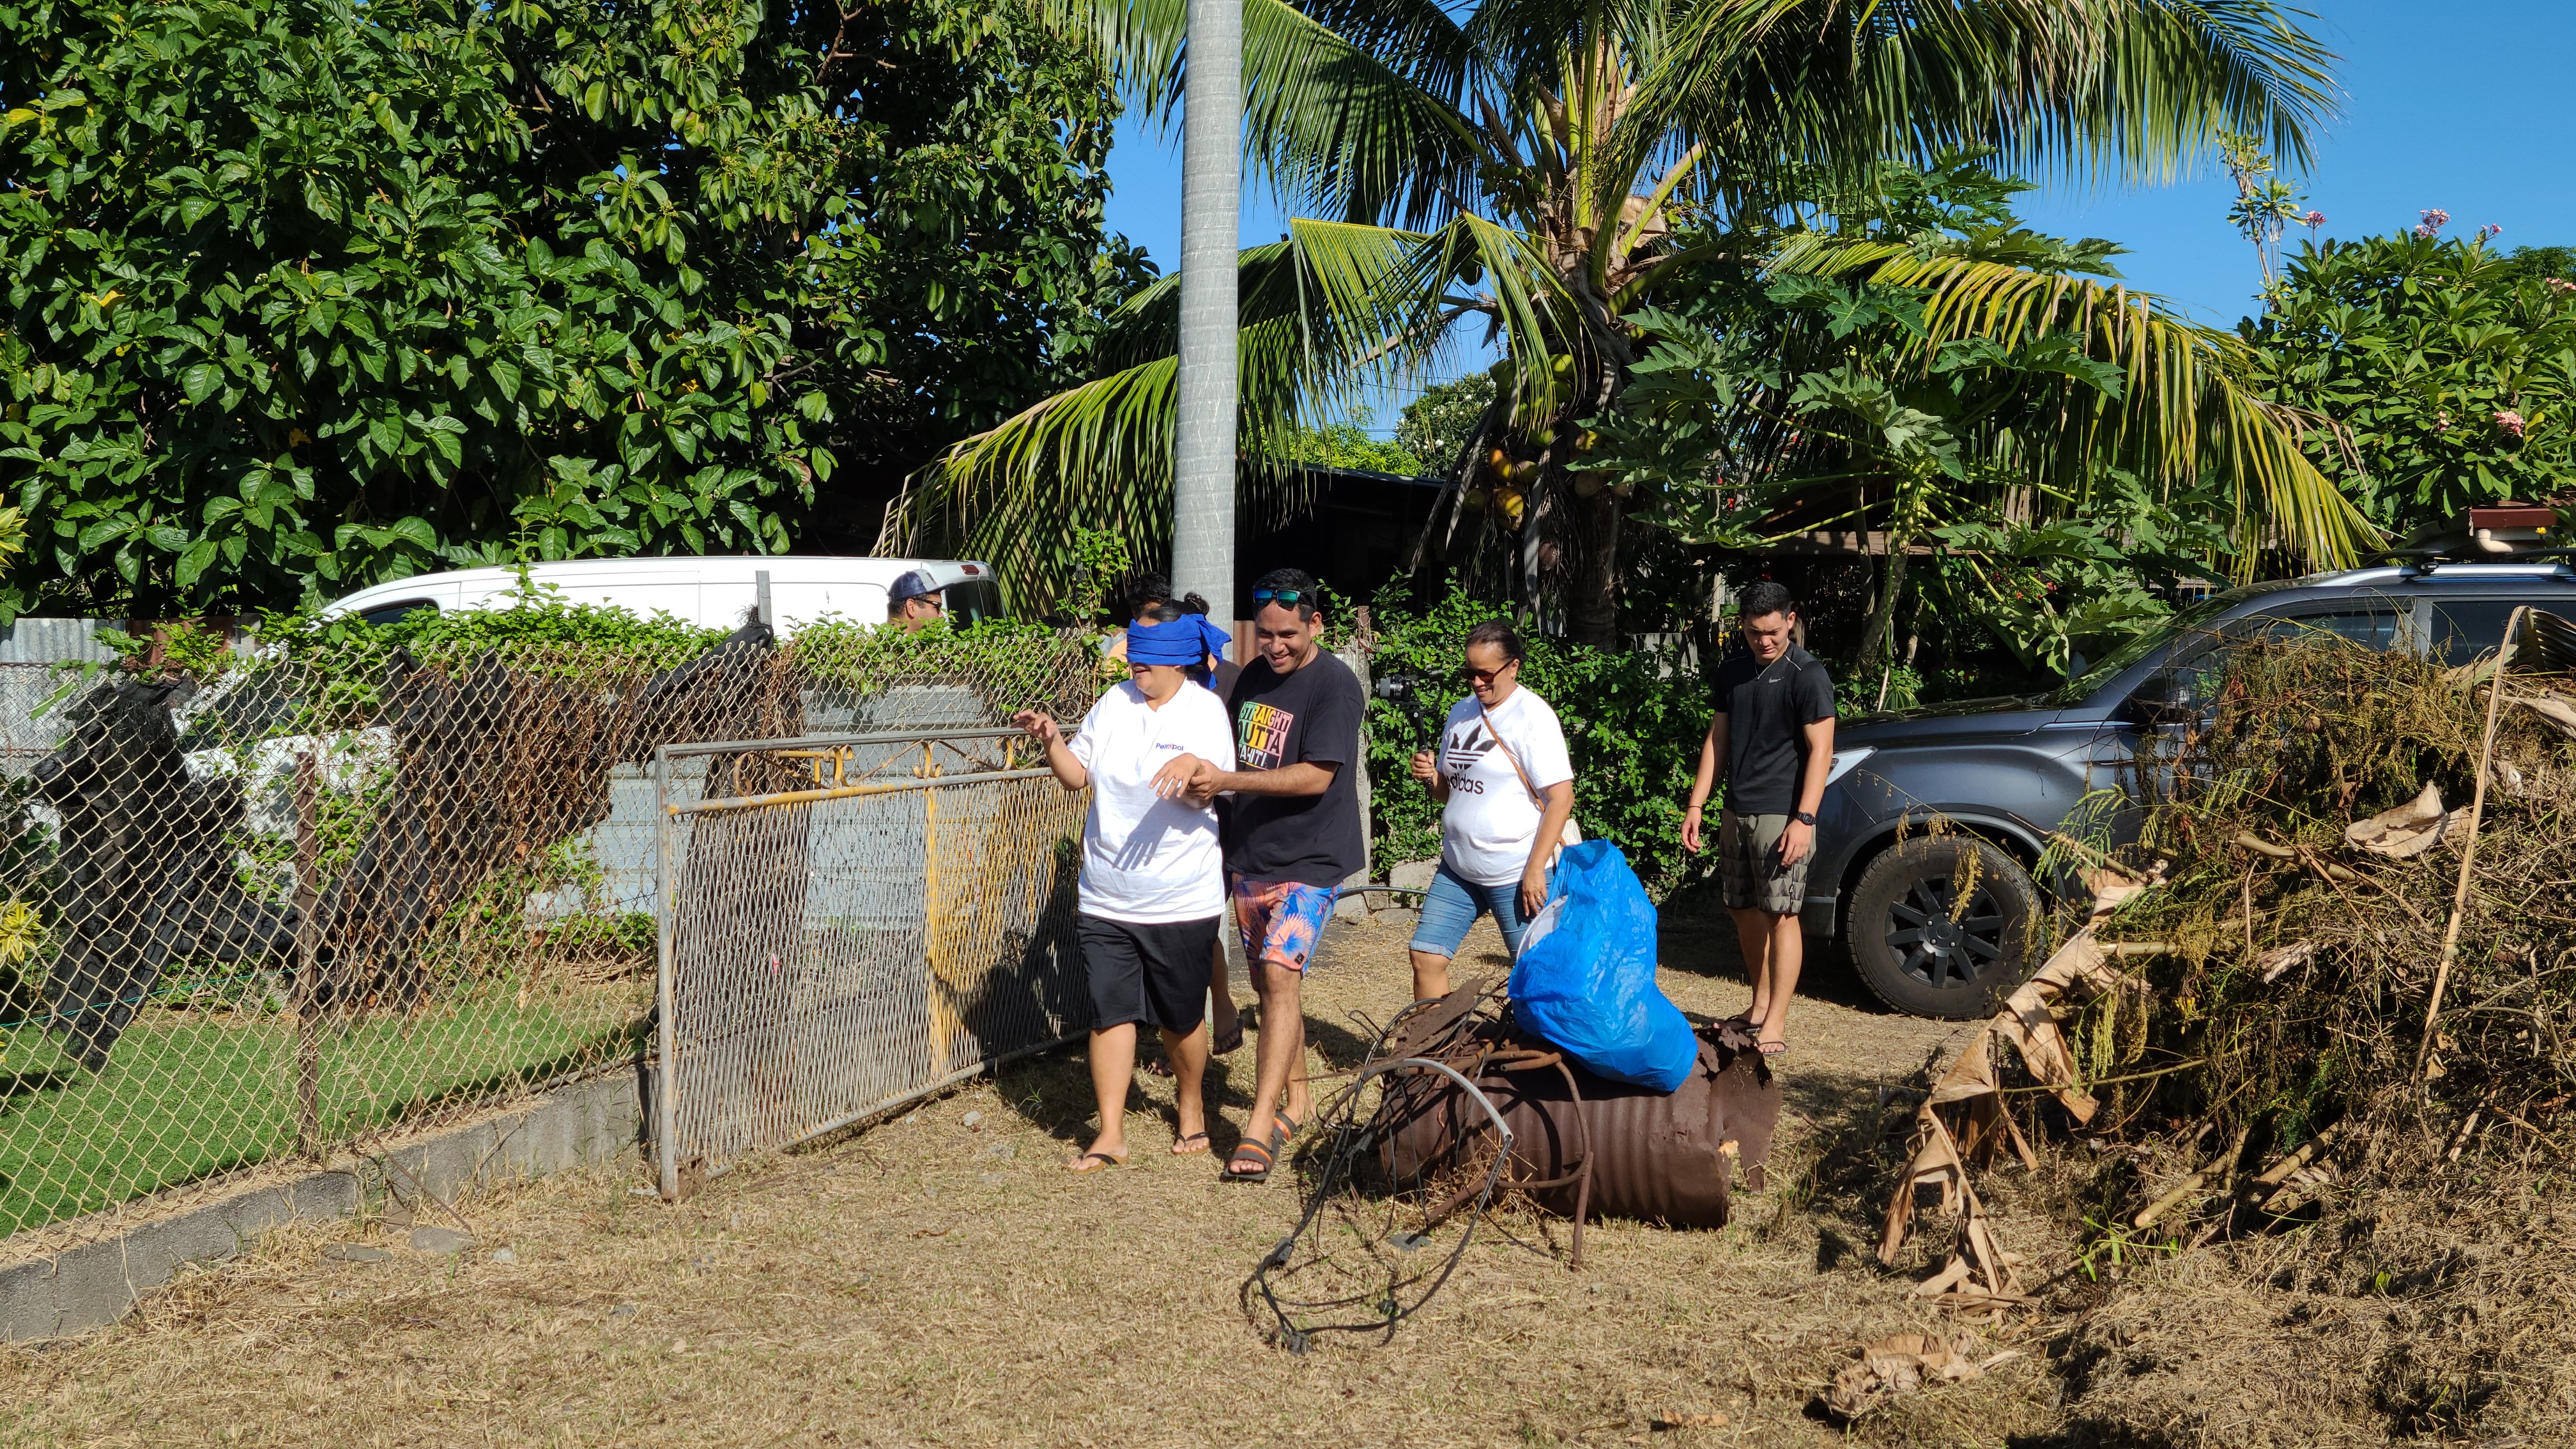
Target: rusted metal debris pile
1466,1111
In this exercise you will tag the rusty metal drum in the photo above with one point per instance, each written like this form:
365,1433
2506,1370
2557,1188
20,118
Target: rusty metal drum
1668,1158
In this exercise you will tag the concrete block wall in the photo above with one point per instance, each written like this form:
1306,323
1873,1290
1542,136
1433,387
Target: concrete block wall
99,1282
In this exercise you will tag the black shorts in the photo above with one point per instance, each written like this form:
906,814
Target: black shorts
1155,973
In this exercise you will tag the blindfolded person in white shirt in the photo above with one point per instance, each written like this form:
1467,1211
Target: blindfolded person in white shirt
1153,876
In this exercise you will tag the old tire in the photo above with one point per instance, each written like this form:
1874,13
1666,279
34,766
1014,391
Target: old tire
1923,952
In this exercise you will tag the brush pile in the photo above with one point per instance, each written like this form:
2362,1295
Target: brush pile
2327,1082
2337,951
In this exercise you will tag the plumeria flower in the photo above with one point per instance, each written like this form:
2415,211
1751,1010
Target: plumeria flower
2435,218
2510,421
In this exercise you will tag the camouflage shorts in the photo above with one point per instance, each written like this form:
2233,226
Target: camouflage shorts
1750,877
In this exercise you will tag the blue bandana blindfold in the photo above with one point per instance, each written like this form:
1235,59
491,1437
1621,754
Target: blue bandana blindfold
1179,642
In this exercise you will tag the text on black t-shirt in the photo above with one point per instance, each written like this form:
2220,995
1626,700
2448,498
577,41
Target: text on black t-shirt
1309,715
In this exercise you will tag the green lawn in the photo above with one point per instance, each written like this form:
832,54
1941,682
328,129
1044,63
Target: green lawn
188,1093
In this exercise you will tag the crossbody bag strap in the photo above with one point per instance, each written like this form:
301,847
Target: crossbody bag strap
1572,833
1496,731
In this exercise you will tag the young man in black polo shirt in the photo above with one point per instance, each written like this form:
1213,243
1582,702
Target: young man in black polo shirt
1772,741
1293,834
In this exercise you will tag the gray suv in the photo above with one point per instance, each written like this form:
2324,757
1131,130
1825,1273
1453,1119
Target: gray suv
2003,774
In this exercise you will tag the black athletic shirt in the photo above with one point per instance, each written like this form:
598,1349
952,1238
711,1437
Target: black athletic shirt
1312,714
1767,709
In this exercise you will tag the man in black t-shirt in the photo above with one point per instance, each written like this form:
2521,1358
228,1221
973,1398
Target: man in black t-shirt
1292,835
1772,737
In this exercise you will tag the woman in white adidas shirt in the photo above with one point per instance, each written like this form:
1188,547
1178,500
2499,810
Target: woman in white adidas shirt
1507,787
1153,876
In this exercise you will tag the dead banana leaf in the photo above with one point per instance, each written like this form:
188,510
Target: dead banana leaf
2508,777
2406,831
1902,1363
2111,885
1963,1120
2553,709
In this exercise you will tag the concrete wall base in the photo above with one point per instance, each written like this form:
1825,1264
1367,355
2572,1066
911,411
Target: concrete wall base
98,1283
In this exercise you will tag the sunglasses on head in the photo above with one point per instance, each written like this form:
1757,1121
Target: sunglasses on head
1281,596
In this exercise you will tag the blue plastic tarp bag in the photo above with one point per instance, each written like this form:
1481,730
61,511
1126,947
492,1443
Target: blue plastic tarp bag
1585,978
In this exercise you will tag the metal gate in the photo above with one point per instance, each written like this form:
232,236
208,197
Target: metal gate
849,922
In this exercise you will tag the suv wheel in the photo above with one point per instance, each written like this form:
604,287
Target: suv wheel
1923,949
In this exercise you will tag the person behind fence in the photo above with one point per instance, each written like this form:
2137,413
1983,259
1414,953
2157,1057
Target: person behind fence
912,601
1293,834
1153,882
1771,741
1506,787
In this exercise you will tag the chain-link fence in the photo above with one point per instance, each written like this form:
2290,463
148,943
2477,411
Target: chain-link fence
854,921
290,905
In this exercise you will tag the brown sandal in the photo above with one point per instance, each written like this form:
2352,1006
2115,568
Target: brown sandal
1258,1154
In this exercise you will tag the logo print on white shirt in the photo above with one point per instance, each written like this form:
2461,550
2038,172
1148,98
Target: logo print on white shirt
1466,750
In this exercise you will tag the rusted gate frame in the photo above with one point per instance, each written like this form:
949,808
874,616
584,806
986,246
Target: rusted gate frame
927,778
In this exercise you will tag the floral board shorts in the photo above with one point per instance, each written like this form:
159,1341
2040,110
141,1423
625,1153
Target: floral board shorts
1282,923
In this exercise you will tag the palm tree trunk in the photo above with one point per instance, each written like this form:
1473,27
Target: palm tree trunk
1592,583
1592,593
1206,403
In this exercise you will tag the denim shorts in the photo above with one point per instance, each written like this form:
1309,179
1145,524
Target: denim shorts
1452,905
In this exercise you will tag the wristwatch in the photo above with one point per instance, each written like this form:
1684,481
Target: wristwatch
1802,817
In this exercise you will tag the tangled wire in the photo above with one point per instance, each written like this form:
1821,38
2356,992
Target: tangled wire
1358,1259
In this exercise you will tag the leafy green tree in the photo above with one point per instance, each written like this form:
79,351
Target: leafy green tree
2010,446
303,294
1436,425
2447,368
1541,172
1347,444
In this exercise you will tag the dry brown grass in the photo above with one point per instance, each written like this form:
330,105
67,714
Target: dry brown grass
931,1283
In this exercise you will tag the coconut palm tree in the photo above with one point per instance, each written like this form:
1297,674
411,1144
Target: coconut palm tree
1536,169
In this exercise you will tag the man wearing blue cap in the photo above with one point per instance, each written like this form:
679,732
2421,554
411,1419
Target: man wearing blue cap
912,600
1153,874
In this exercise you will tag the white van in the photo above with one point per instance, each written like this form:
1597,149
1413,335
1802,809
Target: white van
710,591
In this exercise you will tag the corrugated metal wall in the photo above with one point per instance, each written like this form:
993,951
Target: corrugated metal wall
30,650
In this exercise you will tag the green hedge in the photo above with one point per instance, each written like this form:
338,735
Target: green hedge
1633,721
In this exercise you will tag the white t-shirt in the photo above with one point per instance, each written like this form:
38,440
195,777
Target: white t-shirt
1146,859
1491,821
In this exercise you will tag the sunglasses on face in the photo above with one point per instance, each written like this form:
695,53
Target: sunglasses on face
1281,596
1483,677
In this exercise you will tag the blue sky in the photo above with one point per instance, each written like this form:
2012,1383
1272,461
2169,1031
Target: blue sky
2462,106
